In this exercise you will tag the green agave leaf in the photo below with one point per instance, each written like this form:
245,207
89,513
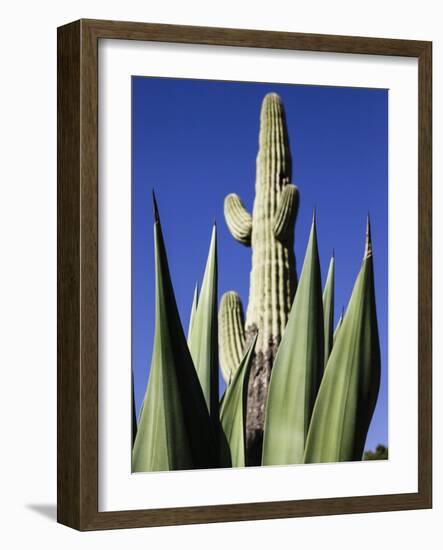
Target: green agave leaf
134,416
192,315
203,345
339,324
233,410
351,381
328,309
175,431
203,340
222,398
297,368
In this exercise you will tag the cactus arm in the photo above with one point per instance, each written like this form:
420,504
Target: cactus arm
238,219
231,334
286,213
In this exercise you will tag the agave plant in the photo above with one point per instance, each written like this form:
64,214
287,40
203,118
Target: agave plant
349,389
312,421
175,431
323,386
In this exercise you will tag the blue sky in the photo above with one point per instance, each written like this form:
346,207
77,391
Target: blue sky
195,141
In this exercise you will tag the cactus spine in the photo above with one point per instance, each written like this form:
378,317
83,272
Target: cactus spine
273,279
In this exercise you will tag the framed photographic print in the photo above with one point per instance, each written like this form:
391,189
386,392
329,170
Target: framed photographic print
244,275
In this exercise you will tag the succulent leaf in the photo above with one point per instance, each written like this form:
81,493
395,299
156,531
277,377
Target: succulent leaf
297,368
203,343
339,324
328,309
233,410
192,314
351,381
134,415
175,431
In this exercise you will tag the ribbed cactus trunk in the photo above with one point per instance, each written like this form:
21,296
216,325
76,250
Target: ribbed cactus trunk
270,233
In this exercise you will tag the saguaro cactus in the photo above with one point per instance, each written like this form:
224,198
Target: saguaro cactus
270,233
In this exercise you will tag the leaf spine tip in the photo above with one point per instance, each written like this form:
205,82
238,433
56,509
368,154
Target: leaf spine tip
155,208
368,243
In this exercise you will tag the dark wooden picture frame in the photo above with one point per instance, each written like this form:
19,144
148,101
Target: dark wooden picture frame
77,453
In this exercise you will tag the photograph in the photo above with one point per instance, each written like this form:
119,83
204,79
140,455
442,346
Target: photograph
259,274
244,274
220,286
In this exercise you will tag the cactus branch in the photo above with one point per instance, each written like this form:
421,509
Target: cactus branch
286,213
231,335
238,219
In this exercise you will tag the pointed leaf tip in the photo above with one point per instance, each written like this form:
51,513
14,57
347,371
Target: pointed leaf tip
368,243
349,388
174,431
155,208
203,343
297,369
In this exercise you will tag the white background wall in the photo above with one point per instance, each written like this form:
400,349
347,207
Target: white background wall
28,270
